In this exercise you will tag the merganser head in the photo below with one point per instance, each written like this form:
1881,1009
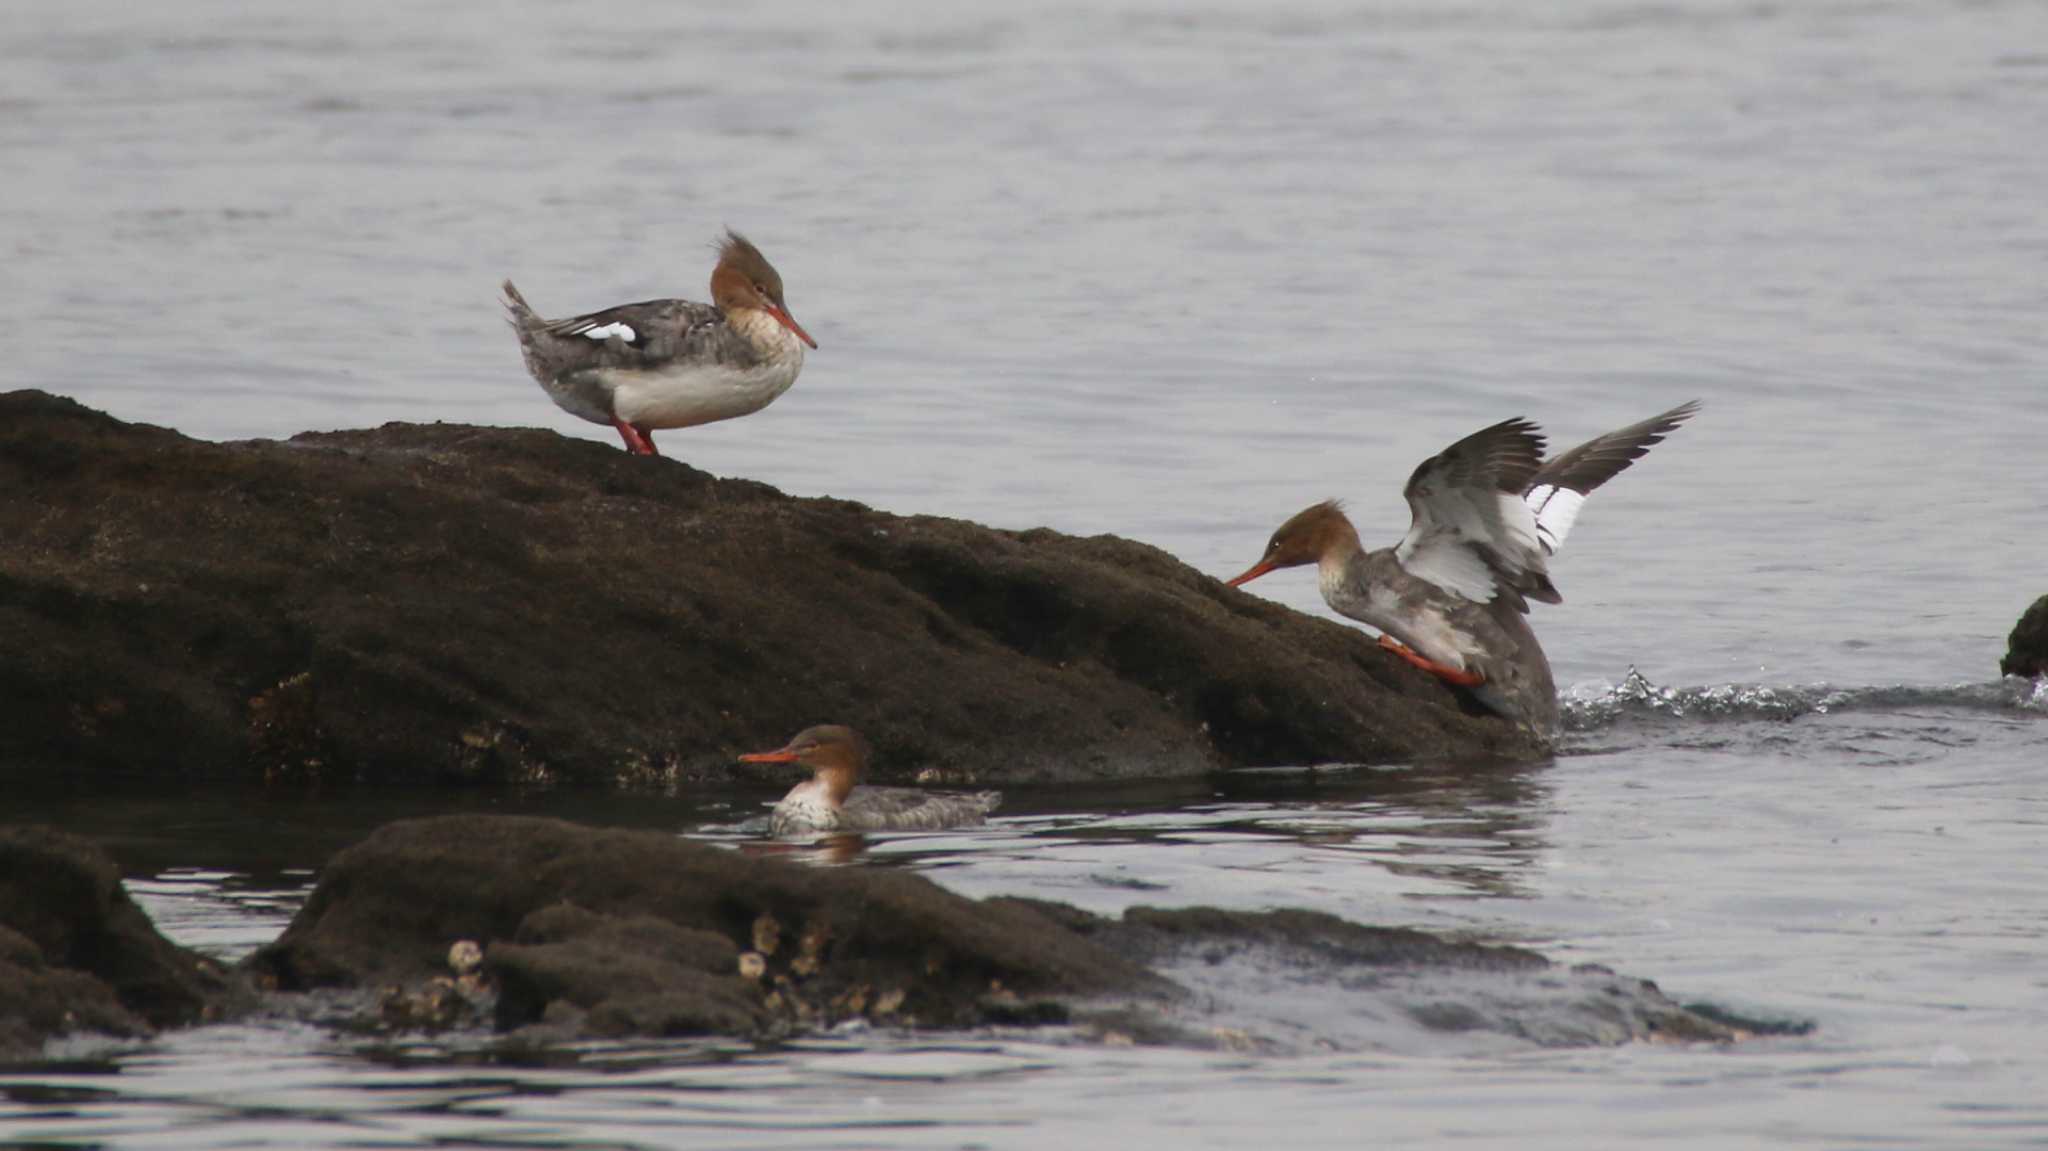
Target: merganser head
1312,534
745,279
836,755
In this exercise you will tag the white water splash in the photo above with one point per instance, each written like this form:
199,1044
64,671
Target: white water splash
1589,707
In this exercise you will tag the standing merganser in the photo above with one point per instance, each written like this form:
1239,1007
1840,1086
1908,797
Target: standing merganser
670,363
838,758
1452,596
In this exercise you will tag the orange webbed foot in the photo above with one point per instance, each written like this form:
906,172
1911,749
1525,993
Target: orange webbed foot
1448,674
638,441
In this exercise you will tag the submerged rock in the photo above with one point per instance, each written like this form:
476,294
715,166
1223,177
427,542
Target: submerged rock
2026,649
601,932
1304,980
616,932
77,956
492,603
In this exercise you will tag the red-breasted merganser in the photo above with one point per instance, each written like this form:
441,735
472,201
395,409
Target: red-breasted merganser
670,363
829,800
1452,596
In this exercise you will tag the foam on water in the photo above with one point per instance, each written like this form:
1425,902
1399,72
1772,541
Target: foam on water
1592,707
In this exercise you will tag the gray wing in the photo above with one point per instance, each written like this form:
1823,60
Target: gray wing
643,336
1559,487
912,809
1471,532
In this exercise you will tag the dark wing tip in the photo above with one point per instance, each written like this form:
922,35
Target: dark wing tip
1663,425
1586,467
1505,455
1648,433
1500,457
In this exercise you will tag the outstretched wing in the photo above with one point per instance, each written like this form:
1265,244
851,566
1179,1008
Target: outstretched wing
1488,511
1560,486
1471,532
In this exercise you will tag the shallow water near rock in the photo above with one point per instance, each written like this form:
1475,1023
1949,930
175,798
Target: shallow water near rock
1864,870
1174,274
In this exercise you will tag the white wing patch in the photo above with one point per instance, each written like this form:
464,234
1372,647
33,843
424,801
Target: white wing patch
622,330
1555,509
1520,529
1446,561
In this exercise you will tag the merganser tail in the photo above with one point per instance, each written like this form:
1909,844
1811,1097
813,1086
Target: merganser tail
520,313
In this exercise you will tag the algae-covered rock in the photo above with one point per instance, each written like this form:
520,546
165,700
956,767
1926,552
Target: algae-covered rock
442,601
639,932
596,932
76,955
2026,649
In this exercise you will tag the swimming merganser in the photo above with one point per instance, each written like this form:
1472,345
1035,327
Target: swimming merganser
1451,597
670,363
828,801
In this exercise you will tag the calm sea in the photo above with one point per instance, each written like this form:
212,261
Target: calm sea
1174,271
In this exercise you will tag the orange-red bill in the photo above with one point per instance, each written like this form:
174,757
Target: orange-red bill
784,756
789,321
1255,571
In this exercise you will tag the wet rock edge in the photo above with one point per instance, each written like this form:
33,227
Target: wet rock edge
2026,648
542,931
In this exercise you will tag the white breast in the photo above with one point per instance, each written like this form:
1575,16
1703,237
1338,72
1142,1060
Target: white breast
804,809
682,395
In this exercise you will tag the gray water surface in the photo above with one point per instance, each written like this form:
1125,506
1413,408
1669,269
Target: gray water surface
1175,271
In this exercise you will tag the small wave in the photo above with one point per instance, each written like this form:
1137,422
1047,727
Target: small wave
1589,708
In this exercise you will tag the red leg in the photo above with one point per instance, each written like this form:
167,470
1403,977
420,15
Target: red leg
1447,674
638,440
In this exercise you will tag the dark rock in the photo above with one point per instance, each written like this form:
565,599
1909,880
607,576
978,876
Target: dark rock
643,932
508,604
437,1004
637,935
672,1013
635,975
2026,649
38,1001
77,955
601,932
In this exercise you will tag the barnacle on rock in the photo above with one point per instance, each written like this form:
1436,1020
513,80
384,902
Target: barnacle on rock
767,934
